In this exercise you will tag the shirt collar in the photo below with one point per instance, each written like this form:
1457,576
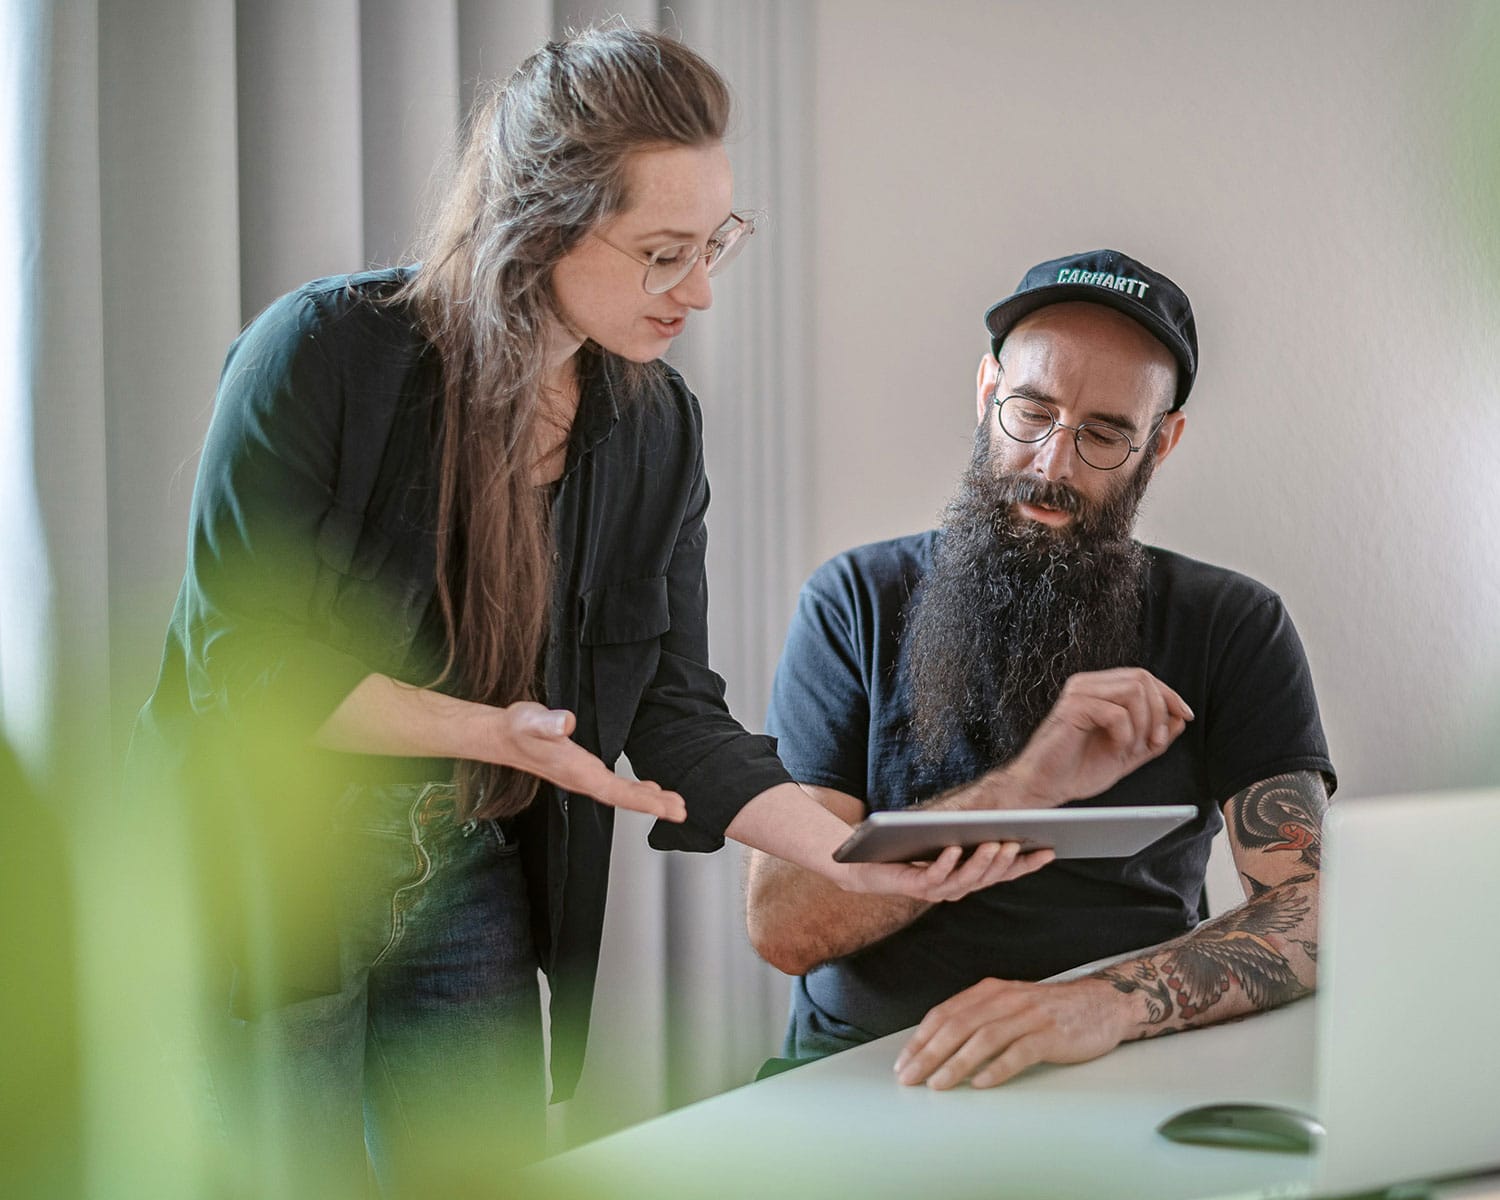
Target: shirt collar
598,411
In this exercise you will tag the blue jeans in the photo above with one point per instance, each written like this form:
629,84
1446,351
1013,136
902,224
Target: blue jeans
813,1032
430,1059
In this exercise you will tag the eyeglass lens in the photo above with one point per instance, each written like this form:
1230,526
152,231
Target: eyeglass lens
1102,447
670,265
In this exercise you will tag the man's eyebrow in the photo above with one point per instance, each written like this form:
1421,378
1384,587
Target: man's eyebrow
1123,424
1031,393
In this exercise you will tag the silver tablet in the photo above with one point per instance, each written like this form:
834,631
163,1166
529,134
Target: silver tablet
919,835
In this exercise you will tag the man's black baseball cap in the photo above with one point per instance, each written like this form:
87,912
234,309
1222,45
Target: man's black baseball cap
1110,278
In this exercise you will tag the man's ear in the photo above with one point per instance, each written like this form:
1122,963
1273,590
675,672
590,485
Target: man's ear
1169,434
989,377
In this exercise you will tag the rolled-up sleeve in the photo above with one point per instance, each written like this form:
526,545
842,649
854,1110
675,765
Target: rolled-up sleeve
683,735
252,630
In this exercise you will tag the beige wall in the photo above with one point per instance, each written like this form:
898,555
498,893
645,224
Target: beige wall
1302,171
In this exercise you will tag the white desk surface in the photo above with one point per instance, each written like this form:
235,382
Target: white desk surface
843,1127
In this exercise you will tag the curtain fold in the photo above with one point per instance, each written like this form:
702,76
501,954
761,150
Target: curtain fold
167,283
26,591
411,101
177,166
302,198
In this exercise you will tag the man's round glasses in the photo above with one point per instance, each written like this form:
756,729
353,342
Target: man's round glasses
1103,447
670,265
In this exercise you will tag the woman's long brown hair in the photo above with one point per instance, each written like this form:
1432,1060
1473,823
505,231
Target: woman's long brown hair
545,162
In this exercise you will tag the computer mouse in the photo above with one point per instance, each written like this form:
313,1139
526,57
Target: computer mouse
1245,1127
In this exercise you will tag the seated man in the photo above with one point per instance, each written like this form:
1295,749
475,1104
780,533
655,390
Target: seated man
949,669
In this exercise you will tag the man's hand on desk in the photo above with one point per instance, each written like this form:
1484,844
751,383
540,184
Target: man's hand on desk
997,1028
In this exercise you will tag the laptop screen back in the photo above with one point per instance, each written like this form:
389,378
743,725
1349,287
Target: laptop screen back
1409,1007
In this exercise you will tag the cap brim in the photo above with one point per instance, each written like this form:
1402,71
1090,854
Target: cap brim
1007,314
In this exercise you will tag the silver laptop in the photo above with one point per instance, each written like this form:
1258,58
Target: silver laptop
1408,1017
1408,1050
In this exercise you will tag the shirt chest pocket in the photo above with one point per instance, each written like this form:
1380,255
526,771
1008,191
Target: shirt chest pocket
621,629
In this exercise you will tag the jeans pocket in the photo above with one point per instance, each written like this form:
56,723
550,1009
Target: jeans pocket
385,863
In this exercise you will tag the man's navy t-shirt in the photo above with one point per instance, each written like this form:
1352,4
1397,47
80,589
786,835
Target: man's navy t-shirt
840,713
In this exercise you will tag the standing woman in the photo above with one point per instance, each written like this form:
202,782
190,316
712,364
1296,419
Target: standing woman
446,564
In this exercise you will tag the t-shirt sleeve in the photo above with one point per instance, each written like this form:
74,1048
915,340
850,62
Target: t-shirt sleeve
1262,717
820,699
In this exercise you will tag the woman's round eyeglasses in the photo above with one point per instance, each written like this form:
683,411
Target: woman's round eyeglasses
1103,447
670,265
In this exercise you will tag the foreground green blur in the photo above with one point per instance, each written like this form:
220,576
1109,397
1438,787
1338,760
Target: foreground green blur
41,1084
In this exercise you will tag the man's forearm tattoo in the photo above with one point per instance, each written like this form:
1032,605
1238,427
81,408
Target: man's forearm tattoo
1281,815
1236,950
1192,976
1141,976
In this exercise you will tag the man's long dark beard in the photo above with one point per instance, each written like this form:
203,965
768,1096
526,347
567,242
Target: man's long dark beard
1012,608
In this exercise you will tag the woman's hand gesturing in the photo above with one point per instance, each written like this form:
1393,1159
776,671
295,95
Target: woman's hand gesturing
535,739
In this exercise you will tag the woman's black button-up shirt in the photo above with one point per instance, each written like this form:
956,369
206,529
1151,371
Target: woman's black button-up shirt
311,565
